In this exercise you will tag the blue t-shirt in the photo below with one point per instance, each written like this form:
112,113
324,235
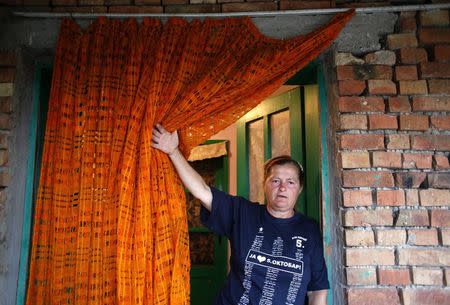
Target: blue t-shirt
273,260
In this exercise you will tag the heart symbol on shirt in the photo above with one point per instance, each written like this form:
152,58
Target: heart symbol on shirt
261,258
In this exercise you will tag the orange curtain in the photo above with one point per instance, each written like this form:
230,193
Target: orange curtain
110,220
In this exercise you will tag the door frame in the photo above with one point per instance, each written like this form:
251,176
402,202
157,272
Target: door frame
36,143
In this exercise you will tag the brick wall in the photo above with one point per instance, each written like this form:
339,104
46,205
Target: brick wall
7,72
394,143
192,6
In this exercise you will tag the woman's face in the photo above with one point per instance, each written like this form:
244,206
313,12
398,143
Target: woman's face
282,188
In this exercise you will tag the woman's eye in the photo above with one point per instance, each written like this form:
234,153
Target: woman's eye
275,181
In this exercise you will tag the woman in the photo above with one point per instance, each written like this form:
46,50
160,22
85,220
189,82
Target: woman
276,254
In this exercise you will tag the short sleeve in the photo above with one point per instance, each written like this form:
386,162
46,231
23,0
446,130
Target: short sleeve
319,275
221,218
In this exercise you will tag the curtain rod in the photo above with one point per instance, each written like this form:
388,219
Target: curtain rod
363,10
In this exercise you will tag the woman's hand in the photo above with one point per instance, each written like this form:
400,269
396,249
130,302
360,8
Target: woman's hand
168,143
163,140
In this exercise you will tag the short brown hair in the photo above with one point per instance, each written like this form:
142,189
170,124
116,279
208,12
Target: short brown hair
282,160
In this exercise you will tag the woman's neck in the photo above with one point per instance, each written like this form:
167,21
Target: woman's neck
280,214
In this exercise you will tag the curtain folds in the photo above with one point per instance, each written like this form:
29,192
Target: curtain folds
110,221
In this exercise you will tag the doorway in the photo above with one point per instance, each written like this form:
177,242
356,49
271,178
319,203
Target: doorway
286,124
208,251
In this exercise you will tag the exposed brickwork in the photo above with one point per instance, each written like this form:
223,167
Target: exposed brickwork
401,193
361,276
7,78
394,277
387,237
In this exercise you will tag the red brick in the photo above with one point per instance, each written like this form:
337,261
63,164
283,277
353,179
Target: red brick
391,237
391,197
357,198
367,218
140,9
394,277
440,218
362,104
441,162
387,159
427,276
434,18
398,41
439,86
414,122
412,87
174,2
383,121
399,104
410,218
445,237
98,2
69,2
431,103
423,237
7,59
7,75
367,178
5,104
419,161
117,2
359,238
369,256
364,72
353,121
301,5
5,121
355,159
431,142
439,180
406,72
442,53
382,57
80,9
361,276
408,24
192,8
412,197
413,55
351,87
398,141
373,296
345,72
382,87
249,7
434,35
409,179
434,197
425,296
362,141
4,141
434,70
5,178
441,122
3,157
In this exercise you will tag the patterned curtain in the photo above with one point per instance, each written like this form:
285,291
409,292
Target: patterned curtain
110,218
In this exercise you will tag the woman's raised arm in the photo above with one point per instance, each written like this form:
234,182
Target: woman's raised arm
168,143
